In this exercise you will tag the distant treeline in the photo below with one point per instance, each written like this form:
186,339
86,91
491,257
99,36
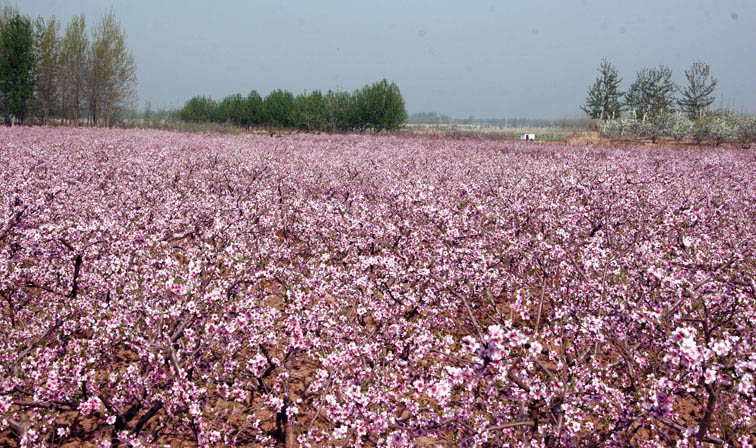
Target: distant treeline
430,118
435,118
377,106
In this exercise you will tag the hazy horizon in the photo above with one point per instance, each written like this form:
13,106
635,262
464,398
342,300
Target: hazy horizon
482,59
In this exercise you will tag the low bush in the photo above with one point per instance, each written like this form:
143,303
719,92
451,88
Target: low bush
715,128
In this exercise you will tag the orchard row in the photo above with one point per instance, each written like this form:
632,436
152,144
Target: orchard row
159,289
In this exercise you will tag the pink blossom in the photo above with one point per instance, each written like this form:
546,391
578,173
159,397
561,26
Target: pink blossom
377,289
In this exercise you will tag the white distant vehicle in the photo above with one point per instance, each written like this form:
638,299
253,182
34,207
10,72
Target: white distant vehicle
527,137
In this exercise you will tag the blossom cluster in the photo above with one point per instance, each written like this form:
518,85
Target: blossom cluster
160,288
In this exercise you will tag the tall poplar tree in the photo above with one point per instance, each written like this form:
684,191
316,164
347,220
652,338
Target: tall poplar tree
48,68
112,76
74,64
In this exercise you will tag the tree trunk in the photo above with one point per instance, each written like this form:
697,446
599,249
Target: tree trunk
45,111
290,431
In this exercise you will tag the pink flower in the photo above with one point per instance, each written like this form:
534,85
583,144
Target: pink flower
91,405
710,375
721,348
495,333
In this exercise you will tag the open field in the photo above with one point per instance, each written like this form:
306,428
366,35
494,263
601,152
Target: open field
170,289
549,134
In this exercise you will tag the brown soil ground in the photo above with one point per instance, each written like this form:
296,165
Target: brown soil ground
592,138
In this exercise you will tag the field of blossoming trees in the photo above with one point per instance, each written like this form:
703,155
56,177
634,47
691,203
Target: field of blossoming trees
165,289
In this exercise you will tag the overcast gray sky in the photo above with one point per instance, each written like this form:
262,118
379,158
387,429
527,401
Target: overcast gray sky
530,58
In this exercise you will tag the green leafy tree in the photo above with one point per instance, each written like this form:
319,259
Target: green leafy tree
222,111
231,109
604,97
47,46
301,117
238,110
382,106
394,110
698,95
341,111
253,109
8,13
360,117
199,109
377,106
278,109
17,66
652,92
311,111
